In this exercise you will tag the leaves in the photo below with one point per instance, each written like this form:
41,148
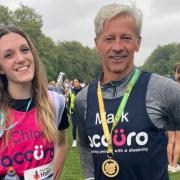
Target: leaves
68,56
71,57
162,59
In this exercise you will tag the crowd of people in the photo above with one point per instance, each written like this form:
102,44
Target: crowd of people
128,121
69,89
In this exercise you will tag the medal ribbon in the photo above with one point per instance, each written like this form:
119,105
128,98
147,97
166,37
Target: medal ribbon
107,133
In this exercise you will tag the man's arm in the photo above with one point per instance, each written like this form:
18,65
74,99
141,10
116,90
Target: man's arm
80,110
163,104
86,162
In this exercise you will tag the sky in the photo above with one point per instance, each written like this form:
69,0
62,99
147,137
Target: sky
67,20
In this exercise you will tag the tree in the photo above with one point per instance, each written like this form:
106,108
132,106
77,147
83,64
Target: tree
70,57
77,61
162,59
5,16
29,21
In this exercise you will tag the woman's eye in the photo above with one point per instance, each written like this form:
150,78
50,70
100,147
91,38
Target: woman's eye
25,49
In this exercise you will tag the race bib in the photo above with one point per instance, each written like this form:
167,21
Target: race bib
40,173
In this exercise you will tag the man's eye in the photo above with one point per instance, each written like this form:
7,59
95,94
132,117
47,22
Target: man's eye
109,39
8,55
127,37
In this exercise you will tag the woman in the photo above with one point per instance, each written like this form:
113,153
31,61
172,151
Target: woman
75,90
28,114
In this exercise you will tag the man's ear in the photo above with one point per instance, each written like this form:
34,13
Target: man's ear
1,71
138,43
96,44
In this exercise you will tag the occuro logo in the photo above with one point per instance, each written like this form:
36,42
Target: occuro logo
120,139
28,156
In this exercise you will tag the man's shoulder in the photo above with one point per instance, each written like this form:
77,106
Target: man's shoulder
160,80
162,85
82,95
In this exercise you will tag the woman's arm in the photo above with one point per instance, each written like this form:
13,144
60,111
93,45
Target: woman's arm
60,154
176,151
170,146
173,147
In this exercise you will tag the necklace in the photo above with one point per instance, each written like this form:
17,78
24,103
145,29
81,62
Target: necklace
2,120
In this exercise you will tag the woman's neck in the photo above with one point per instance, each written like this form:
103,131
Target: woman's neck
20,91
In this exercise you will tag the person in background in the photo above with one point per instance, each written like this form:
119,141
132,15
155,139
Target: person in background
32,125
122,115
60,88
74,91
176,71
173,146
52,86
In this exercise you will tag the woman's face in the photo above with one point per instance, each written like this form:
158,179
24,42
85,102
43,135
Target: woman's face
16,59
76,83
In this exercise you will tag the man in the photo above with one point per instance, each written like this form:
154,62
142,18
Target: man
122,115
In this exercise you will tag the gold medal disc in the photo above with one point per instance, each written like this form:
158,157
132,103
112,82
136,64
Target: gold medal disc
110,168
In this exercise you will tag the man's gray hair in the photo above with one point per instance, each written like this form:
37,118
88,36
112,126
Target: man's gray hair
110,11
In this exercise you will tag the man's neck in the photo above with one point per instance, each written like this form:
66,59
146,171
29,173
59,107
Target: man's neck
115,77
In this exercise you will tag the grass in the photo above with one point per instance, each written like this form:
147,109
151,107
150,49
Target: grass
72,169
175,176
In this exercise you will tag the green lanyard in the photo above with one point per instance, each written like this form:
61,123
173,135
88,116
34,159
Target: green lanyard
107,133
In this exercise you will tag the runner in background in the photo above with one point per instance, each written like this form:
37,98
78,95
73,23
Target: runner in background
173,146
176,71
72,94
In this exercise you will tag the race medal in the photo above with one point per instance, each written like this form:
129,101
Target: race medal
110,168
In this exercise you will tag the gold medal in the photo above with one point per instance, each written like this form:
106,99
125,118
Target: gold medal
110,168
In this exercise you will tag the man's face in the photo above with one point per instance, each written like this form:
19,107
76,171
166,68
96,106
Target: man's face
117,44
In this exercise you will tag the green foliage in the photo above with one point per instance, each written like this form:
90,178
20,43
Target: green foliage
78,61
5,16
70,57
162,59
29,21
